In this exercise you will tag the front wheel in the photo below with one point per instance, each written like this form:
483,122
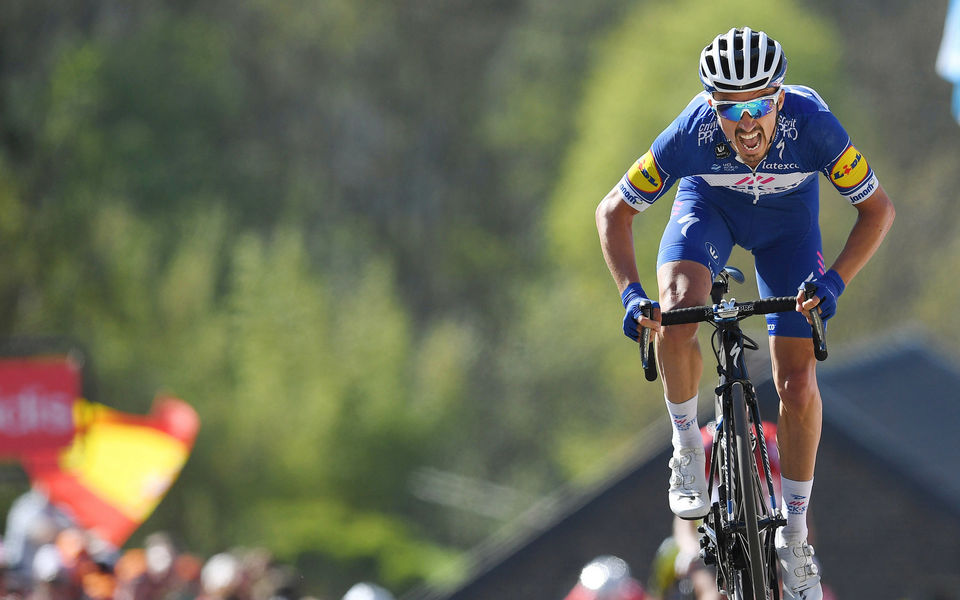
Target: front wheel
755,574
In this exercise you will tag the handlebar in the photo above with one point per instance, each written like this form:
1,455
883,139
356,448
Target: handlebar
696,314
737,311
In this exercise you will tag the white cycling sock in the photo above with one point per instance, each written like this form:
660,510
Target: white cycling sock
796,500
683,417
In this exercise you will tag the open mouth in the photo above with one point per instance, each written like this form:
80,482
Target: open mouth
750,142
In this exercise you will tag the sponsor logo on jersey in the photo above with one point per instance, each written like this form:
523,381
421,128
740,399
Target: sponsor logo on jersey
759,179
706,133
773,166
629,193
865,191
850,169
643,175
762,183
721,150
788,127
725,167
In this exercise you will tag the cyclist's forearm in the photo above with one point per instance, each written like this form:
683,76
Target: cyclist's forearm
615,226
875,217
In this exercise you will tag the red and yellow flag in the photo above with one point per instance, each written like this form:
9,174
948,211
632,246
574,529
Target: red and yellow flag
118,467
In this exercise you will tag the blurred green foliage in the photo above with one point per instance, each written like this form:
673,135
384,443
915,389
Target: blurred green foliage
358,237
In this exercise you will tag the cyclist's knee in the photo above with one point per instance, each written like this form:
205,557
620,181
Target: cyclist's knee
676,334
797,388
682,284
795,372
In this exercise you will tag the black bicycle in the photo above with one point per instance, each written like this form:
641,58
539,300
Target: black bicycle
738,533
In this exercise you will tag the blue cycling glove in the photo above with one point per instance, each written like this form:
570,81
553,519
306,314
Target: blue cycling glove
633,298
829,287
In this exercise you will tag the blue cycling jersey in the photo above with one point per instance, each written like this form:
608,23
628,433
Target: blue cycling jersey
808,139
771,210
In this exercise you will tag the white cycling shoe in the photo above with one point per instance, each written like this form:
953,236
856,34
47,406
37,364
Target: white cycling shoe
688,483
800,574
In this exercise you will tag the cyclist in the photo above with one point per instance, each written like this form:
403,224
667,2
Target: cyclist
745,153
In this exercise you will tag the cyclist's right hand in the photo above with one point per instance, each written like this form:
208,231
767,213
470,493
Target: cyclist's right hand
634,298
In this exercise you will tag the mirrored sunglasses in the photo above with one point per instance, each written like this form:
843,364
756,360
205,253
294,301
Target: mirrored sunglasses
756,108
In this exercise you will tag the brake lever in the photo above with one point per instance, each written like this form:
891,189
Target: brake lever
646,344
819,333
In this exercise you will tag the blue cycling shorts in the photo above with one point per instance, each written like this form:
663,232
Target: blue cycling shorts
783,234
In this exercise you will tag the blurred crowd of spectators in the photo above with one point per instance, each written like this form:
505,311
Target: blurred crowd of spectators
45,557
65,568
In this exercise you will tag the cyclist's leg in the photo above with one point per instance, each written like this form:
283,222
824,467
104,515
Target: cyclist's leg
694,248
695,245
798,430
682,283
780,271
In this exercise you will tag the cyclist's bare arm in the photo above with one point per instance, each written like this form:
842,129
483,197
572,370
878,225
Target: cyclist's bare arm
615,226
875,217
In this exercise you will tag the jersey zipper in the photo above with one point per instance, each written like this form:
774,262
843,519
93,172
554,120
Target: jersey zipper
756,184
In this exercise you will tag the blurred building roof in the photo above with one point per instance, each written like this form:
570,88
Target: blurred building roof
897,398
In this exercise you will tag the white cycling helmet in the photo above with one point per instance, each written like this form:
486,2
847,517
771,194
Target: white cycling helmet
742,60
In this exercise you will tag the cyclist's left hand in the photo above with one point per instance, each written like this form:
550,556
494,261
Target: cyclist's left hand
829,287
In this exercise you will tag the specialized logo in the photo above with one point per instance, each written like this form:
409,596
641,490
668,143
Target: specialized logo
687,220
644,176
735,354
850,169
